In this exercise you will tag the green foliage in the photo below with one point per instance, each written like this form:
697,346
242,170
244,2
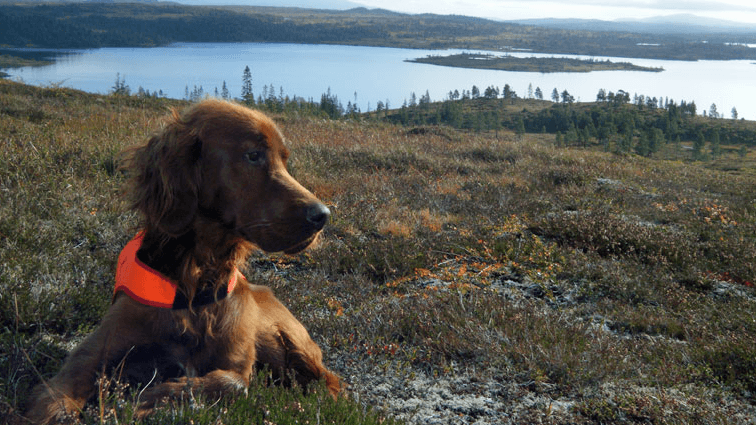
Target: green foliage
330,105
698,146
120,88
247,96
734,363
645,128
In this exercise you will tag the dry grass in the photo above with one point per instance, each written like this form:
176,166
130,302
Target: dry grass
618,286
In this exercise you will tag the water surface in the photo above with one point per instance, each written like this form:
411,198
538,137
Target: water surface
379,74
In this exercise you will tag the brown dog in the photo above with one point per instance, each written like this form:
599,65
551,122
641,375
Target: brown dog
211,187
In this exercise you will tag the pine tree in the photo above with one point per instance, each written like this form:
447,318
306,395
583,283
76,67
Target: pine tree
698,146
246,92
567,97
520,129
601,96
538,93
715,144
642,148
713,111
496,122
330,105
655,140
626,142
120,87
224,91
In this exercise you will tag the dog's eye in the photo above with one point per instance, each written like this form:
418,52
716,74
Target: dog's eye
255,157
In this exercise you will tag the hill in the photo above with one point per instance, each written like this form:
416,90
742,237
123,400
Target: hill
645,125
464,277
680,24
88,25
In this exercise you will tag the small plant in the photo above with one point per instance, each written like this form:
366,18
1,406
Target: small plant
120,88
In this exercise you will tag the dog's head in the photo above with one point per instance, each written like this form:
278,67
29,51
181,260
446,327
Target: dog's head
224,163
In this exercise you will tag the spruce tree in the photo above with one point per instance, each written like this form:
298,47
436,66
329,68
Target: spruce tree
698,146
538,93
520,129
715,144
246,92
224,91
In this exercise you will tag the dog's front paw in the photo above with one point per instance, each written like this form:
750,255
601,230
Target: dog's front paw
49,407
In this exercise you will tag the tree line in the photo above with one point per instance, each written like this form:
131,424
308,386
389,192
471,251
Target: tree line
89,25
616,121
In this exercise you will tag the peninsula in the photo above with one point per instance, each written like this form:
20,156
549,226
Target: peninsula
530,64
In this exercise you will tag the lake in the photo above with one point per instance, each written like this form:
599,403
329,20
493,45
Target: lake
372,74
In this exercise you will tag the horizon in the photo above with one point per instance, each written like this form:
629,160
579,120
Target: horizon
735,11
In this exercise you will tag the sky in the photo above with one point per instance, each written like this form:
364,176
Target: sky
732,10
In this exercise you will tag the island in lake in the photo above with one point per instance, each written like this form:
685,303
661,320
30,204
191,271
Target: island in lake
531,64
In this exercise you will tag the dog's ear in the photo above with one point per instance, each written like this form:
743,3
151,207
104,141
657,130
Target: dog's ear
166,178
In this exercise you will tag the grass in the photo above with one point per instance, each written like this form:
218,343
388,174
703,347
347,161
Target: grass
617,287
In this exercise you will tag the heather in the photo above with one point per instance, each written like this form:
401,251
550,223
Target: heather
488,276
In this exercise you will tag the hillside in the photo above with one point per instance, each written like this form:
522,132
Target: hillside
88,25
466,277
645,125
682,24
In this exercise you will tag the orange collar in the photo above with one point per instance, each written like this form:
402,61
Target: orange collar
147,286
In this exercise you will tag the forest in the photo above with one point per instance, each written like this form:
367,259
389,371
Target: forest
75,25
614,122
90,25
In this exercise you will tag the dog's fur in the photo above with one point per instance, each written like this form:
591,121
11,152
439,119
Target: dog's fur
211,186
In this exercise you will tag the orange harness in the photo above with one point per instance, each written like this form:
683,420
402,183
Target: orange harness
147,286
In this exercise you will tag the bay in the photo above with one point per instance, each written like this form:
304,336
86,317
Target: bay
366,75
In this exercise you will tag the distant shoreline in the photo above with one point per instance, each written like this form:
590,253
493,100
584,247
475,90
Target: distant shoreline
531,64
18,61
94,25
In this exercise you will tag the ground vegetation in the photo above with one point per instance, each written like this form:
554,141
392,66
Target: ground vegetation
466,277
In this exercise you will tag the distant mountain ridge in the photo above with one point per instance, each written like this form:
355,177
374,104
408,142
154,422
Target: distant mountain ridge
92,24
669,24
302,4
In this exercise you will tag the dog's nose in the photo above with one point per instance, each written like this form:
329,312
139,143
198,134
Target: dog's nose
317,215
